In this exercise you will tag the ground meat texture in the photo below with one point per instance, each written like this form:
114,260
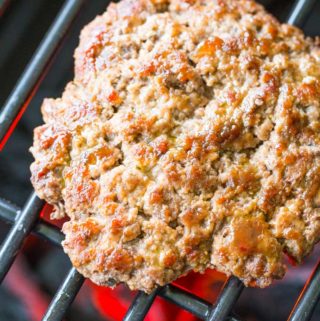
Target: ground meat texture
188,139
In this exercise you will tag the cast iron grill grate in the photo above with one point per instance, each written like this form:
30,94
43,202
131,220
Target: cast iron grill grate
26,220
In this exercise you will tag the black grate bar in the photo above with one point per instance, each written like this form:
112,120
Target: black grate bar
9,213
20,230
48,232
72,284
190,302
308,298
300,12
39,61
140,306
186,301
227,299
65,296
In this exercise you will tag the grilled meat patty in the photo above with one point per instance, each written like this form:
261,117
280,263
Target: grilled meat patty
188,139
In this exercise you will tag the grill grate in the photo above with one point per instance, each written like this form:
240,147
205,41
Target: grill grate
26,220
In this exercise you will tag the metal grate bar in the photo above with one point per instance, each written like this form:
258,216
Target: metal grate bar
16,102
227,299
300,12
73,281
186,300
190,302
308,298
20,230
140,306
64,297
9,213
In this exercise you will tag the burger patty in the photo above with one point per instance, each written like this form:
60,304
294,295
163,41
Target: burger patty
188,139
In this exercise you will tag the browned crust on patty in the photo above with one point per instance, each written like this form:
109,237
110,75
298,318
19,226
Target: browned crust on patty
188,139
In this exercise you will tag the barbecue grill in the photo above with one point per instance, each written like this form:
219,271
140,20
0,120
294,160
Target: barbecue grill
26,220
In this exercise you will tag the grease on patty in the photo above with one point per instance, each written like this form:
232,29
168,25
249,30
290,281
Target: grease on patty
188,139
